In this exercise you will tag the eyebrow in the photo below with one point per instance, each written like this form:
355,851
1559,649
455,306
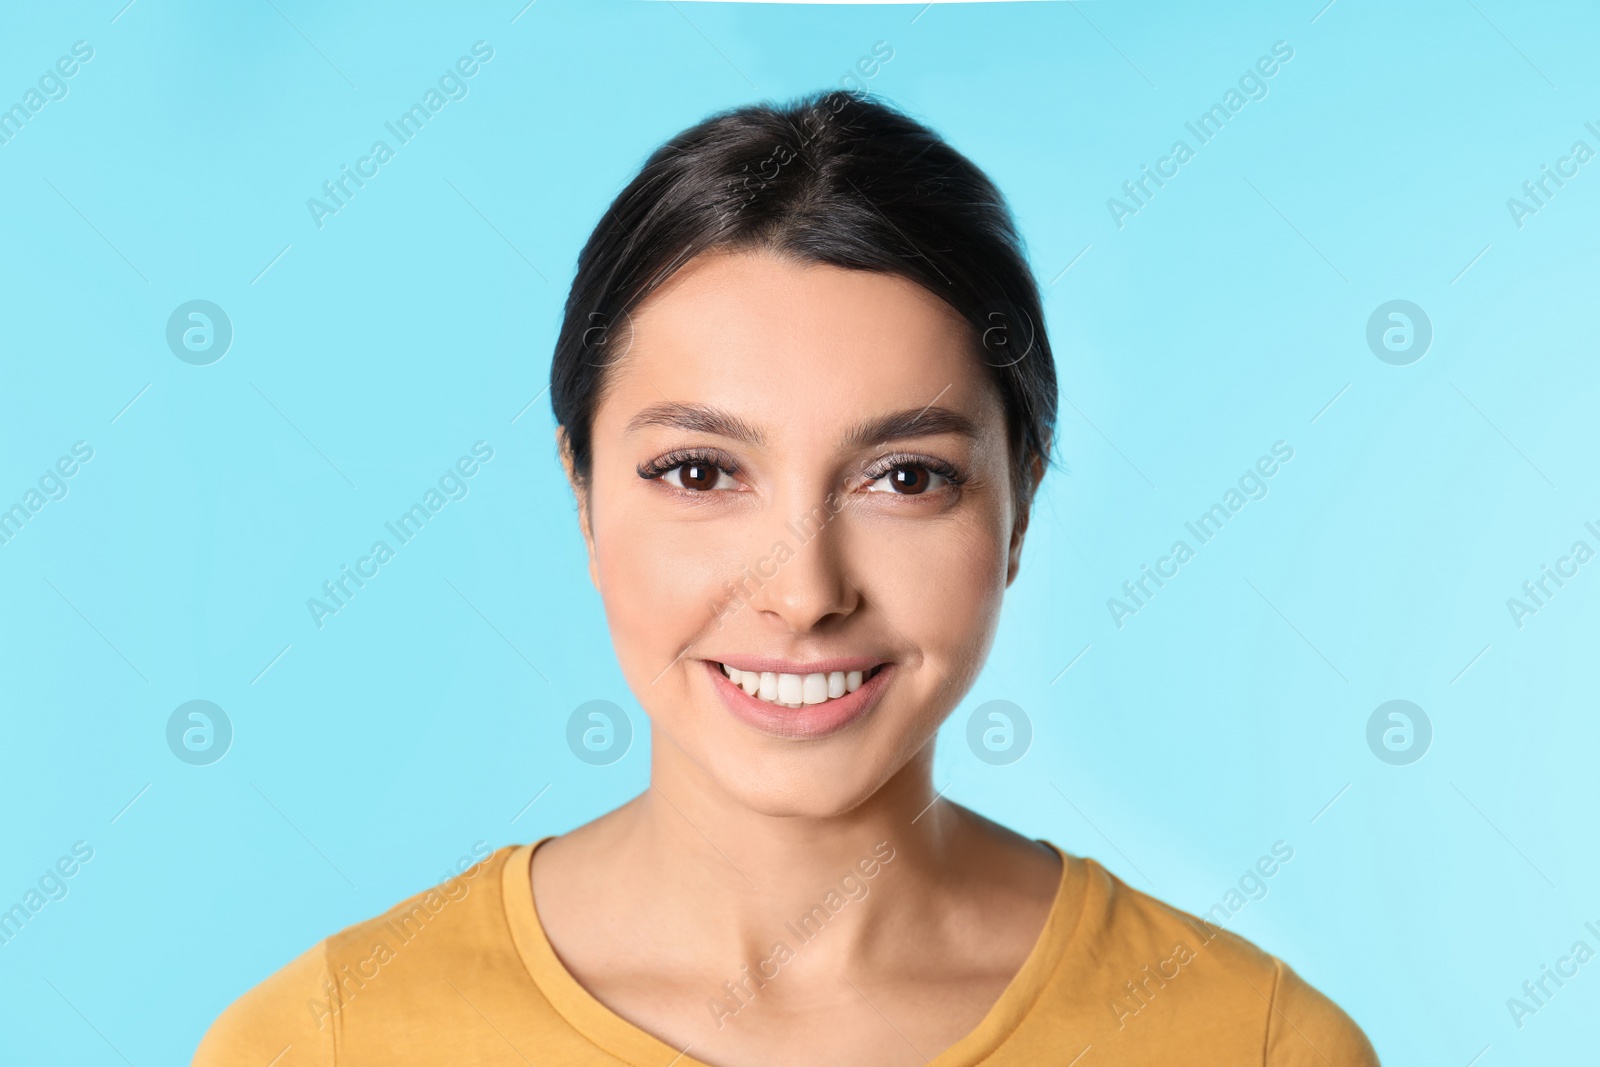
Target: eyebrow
699,418
926,421
912,422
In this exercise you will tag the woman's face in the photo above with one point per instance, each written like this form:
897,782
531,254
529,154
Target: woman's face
801,473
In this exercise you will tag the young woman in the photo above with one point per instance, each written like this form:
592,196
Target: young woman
804,399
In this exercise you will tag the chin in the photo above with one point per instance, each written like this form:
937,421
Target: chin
823,791
811,780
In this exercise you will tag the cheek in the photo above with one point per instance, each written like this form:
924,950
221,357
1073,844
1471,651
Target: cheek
941,584
660,583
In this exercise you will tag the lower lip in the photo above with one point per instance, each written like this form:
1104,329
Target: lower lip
806,721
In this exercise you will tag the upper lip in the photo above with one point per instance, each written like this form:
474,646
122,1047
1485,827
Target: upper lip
767,664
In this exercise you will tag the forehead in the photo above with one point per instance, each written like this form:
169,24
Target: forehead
780,341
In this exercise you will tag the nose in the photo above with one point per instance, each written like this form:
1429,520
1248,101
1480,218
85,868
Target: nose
806,584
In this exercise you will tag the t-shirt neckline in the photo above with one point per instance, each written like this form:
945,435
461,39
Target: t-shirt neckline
627,1042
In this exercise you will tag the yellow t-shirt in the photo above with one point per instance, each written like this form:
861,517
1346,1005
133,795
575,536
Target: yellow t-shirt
463,974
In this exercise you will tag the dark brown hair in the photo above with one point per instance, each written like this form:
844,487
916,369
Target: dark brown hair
837,178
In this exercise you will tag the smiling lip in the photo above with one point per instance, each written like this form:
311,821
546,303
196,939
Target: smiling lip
821,666
810,720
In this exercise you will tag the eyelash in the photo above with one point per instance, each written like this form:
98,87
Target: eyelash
655,468
884,464
661,465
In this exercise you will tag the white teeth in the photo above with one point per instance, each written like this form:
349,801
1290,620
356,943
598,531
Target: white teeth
795,690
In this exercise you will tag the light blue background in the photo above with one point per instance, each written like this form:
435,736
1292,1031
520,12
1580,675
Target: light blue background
424,717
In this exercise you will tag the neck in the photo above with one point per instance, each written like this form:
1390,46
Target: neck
744,880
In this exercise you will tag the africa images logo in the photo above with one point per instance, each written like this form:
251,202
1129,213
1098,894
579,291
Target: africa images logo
1207,125
452,485
452,85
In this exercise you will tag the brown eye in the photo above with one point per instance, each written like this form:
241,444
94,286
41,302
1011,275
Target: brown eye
700,476
909,480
